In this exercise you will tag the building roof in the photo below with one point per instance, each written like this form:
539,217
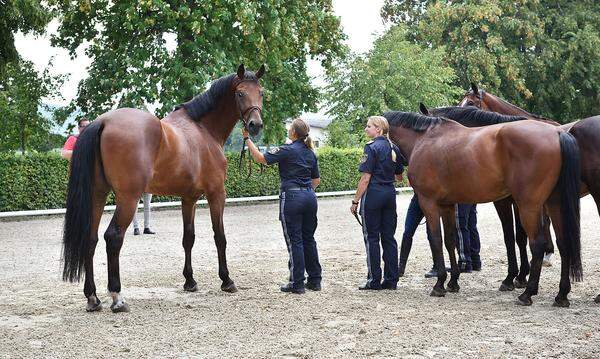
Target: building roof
315,120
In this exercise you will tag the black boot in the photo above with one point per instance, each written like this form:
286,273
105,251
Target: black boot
148,231
289,288
136,231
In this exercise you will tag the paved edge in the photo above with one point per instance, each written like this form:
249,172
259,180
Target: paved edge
15,215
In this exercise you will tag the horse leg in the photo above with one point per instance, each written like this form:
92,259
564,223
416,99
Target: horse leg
126,207
521,239
561,299
532,219
432,213
216,202
89,287
504,210
188,208
449,221
549,245
595,192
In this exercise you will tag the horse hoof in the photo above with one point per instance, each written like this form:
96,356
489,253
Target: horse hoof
597,300
437,292
453,287
520,283
120,308
524,300
94,307
229,288
561,303
506,287
190,288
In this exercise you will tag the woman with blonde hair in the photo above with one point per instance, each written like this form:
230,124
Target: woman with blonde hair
299,174
380,165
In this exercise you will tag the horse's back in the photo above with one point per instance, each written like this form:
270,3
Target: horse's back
129,144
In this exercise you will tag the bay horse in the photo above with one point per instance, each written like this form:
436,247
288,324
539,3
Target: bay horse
585,131
471,116
450,163
130,152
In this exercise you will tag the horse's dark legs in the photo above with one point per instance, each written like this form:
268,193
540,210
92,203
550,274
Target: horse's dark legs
188,208
521,239
432,213
504,210
126,207
216,202
532,218
561,299
89,287
449,221
595,192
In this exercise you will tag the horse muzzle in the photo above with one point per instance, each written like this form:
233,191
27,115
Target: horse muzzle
254,124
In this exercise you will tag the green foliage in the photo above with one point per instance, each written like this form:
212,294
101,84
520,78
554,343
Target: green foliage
22,126
395,75
39,181
165,51
541,55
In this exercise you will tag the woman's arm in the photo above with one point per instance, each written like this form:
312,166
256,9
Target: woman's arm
315,182
254,152
363,183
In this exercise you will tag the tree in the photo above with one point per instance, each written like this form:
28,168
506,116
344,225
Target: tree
22,126
395,75
540,55
164,52
23,15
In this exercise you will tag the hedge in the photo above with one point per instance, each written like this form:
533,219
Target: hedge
39,180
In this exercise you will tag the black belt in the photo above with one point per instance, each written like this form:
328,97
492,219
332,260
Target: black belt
298,189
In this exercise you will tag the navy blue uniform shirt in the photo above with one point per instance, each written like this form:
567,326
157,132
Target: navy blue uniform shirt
297,164
377,160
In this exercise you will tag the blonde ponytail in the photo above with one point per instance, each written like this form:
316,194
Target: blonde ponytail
382,124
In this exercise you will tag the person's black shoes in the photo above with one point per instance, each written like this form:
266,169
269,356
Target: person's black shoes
389,285
313,286
368,286
148,231
136,231
289,288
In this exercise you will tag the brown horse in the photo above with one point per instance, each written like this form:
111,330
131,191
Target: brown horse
586,132
450,164
130,151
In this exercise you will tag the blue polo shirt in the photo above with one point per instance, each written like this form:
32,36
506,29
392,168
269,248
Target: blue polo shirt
297,164
377,160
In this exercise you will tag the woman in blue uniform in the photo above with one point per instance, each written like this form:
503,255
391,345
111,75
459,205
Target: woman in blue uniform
299,174
380,166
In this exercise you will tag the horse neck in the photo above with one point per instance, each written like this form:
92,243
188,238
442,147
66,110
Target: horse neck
221,121
495,104
405,139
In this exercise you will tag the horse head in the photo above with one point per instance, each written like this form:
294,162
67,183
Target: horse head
249,98
474,97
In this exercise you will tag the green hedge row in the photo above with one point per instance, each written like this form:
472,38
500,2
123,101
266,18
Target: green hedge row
39,181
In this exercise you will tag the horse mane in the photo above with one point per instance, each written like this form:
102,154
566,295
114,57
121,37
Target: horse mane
475,115
528,114
202,104
412,120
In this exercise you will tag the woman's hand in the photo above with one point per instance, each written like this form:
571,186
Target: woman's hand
245,133
354,208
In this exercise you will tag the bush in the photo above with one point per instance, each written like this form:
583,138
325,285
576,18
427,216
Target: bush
39,180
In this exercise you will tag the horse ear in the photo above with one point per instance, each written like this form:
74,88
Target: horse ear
260,71
423,109
474,88
241,71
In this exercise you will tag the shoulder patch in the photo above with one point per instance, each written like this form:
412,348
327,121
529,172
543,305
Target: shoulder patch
364,158
274,150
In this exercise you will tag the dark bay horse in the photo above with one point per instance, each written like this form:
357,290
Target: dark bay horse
130,151
450,163
585,131
471,116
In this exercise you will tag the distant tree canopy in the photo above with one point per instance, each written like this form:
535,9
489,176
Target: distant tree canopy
541,55
163,52
395,75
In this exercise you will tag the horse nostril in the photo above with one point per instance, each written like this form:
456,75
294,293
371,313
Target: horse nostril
251,125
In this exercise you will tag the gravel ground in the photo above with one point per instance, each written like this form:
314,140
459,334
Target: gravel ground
40,316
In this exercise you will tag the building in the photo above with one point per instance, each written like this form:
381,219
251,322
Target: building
317,122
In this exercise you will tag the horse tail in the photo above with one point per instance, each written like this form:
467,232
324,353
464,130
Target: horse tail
568,185
78,219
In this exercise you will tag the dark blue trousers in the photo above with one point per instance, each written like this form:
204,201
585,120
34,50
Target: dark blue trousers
298,216
467,241
414,215
378,211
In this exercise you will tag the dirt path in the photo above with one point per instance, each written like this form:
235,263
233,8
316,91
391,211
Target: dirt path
42,316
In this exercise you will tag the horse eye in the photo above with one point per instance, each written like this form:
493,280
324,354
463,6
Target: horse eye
261,93
240,94
470,103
